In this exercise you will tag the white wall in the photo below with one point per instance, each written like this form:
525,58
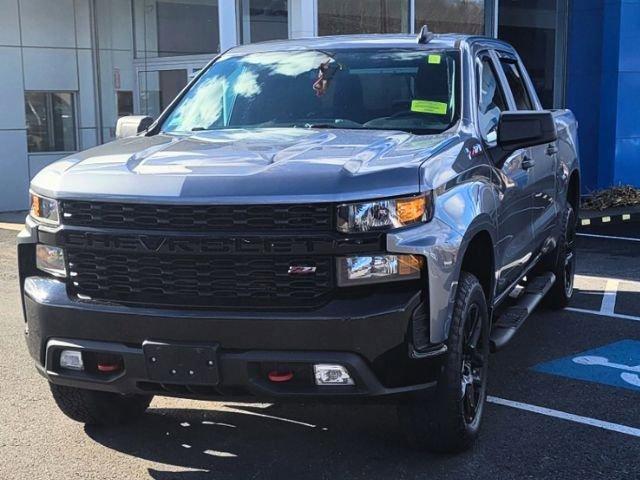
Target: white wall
44,45
303,18
14,166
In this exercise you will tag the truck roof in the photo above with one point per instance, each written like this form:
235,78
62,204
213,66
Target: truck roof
439,42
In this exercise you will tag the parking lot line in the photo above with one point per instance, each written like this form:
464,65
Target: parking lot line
609,298
610,292
611,315
549,412
593,235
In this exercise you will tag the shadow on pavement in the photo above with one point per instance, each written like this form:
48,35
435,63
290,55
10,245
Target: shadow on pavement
292,441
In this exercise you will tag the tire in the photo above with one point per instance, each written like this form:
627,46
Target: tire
563,264
450,421
99,408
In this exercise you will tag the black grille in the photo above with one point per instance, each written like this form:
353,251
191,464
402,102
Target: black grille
199,218
197,281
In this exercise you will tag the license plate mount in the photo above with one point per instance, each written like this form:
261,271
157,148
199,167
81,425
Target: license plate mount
190,364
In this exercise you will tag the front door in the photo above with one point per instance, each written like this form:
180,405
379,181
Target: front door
514,211
541,158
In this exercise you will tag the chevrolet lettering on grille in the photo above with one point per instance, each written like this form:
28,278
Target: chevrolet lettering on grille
200,245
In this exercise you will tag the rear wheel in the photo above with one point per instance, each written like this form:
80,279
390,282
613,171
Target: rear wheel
99,408
563,264
450,422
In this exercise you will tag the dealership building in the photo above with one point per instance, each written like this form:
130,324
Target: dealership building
70,68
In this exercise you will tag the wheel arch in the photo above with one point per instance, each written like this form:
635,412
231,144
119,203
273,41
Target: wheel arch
573,191
478,259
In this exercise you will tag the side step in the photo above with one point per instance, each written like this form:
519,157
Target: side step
506,326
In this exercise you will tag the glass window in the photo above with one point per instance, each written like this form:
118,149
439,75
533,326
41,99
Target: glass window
167,28
531,27
51,123
451,16
263,20
125,103
516,84
340,17
159,88
491,101
401,89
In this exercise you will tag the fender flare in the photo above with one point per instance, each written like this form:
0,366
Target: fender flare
482,223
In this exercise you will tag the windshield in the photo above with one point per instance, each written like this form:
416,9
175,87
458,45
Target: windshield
400,89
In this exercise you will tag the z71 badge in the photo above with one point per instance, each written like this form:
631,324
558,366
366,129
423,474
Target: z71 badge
301,270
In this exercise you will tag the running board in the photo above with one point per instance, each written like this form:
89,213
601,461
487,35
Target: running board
506,326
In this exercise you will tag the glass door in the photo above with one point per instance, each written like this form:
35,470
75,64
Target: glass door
537,30
158,86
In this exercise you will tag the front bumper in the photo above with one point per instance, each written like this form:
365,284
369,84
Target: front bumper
243,375
369,338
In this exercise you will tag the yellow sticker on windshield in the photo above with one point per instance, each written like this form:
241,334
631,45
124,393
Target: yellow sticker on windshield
427,106
434,59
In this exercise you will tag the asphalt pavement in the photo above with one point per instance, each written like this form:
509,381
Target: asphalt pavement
564,405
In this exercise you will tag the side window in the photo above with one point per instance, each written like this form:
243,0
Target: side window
51,124
491,101
516,83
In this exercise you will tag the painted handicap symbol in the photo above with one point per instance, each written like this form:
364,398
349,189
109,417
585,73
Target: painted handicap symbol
616,364
627,376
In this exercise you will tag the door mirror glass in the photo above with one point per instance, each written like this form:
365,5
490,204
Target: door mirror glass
132,125
524,129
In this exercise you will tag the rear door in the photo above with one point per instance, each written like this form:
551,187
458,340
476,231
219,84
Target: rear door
514,211
542,158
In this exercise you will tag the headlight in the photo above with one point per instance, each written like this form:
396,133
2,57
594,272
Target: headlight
378,268
44,210
384,214
51,260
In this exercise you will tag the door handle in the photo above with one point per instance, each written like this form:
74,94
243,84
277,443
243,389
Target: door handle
528,162
552,149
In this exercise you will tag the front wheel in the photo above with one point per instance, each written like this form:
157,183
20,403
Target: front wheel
450,422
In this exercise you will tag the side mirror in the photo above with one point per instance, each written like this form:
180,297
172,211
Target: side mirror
131,125
524,129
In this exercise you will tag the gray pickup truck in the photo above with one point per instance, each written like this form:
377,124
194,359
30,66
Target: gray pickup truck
340,218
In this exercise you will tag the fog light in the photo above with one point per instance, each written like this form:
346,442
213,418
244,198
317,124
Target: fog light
332,375
378,268
71,359
51,260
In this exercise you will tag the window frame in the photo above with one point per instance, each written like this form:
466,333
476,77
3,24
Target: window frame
524,74
505,60
74,111
490,56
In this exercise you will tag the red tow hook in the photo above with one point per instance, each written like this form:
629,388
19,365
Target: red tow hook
108,367
106,363
280,377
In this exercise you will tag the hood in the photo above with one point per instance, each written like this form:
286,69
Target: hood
245,166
